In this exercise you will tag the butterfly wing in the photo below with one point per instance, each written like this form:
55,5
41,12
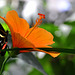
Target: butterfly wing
3,39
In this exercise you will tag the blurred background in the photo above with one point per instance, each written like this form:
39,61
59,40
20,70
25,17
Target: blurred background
60,21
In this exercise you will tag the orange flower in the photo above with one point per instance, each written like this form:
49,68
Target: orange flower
25,37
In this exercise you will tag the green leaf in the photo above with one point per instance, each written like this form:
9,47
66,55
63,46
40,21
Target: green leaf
70,22
1,61
5,26
32,60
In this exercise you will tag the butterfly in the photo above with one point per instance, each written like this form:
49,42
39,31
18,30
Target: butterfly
3,39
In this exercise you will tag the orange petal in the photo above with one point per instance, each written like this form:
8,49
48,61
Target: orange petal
23,27
21,42
53,54
19,25
40,37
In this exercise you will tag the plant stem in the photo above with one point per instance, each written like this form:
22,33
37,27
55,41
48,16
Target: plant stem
64,50
3,65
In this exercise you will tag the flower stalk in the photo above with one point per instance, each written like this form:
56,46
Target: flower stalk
3,65
63,50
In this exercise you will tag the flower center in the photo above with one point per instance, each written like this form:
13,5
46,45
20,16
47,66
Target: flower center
38,22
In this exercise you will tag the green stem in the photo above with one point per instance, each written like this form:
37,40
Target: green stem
3,65
64,50
61,50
